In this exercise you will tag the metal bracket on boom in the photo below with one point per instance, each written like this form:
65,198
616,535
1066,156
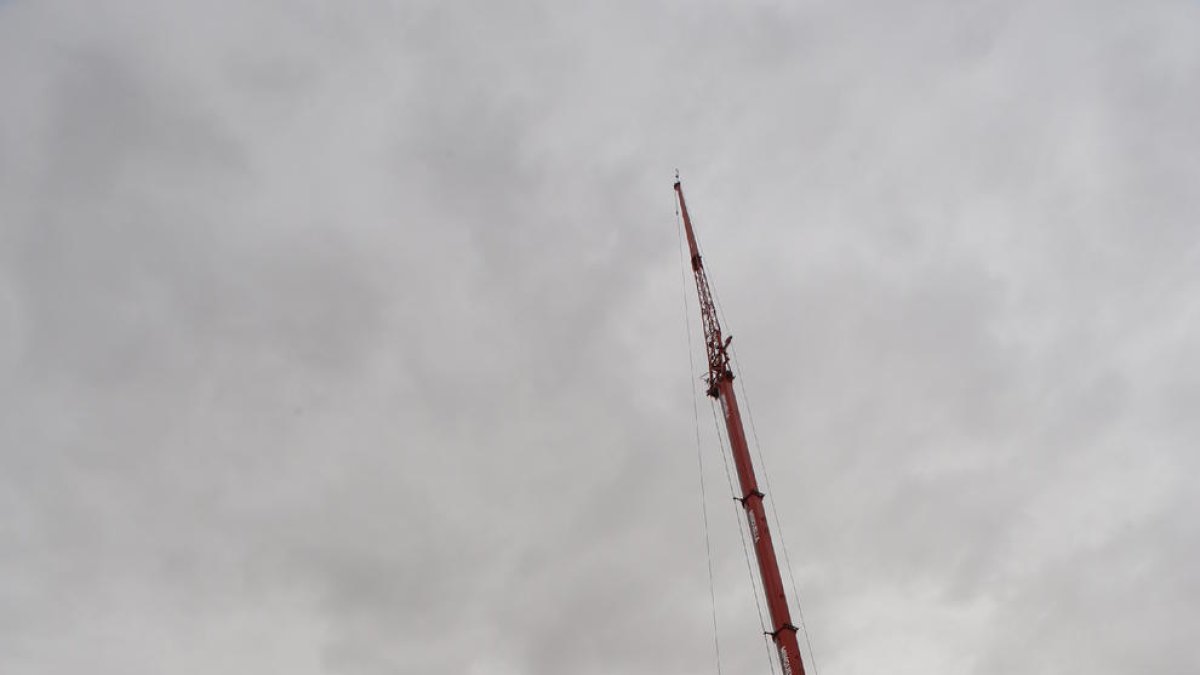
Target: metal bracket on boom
752,493
786,626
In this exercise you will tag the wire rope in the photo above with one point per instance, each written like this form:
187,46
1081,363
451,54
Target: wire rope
787,559
739,514
712,594
766,482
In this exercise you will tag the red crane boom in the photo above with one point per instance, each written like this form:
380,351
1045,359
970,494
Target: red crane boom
720,387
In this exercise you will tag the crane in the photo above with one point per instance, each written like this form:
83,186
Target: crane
720,387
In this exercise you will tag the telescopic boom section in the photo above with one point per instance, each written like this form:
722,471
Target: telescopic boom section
720,386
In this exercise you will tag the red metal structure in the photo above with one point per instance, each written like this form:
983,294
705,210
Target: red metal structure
720,387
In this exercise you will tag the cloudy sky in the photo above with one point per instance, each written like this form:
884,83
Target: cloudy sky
351,338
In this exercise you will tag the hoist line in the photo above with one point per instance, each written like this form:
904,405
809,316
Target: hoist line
766,477
770,492
687,326
812,657
738,515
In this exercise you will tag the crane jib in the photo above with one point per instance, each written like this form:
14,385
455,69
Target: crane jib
720,387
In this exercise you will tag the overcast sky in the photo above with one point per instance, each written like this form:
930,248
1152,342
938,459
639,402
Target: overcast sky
349,338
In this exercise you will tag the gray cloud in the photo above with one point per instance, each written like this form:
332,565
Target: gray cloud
350,339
